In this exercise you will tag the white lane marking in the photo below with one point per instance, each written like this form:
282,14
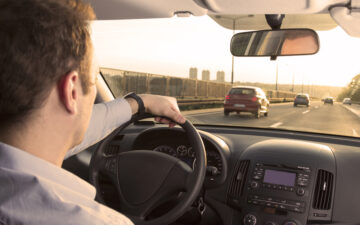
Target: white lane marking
276,124
356,112
355,133
316,107
305,111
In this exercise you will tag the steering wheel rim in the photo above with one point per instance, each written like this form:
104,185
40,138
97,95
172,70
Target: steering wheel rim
194,180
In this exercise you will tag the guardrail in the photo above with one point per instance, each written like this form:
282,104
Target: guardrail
213,101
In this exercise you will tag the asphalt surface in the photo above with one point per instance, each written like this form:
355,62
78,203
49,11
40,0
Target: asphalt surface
318,117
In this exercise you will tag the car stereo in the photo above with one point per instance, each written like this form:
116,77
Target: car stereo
278,190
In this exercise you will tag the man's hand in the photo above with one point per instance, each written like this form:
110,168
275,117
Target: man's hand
161,106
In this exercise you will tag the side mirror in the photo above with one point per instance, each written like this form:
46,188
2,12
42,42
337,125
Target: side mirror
284,42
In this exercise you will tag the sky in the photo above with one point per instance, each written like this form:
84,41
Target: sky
171,46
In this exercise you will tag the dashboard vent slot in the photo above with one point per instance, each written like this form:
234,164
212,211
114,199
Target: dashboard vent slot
238,179
112,150
323,190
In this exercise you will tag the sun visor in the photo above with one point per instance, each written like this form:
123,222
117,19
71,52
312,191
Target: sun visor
143,9
318,22
348,17
268,6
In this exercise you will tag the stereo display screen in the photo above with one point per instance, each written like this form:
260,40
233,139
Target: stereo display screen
279,177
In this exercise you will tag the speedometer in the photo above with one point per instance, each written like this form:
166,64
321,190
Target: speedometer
182,150
166,149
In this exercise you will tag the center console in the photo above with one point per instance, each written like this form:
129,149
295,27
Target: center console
270,187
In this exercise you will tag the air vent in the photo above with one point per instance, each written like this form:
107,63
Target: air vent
238,179
112,150
323,190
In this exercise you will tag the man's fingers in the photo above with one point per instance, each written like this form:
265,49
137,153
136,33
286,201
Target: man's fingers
176,116
178,119
171,125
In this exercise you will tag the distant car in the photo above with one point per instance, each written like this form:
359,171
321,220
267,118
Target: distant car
302,99
246,99
347,101
329,100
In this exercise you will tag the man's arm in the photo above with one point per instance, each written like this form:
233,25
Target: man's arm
105,118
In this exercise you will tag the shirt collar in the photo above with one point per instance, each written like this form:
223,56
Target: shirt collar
19,160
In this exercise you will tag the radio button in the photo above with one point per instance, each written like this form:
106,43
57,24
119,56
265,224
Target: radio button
297,204
257,177
250,219
303,183
303,175
300,191
295,209
254,184
291,189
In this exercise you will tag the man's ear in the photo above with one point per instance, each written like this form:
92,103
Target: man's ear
68,91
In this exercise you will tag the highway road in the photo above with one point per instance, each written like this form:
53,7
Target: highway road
319,117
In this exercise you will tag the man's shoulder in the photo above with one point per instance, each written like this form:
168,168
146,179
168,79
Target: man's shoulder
29,199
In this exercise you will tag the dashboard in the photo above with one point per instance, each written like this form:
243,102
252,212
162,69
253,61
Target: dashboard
258,176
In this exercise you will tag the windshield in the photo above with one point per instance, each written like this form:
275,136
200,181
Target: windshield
190,59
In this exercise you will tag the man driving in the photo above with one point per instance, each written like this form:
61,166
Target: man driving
47,90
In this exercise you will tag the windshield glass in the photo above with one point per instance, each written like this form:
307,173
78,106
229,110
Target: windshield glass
190,59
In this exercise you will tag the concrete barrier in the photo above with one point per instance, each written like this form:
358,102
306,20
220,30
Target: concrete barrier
122,82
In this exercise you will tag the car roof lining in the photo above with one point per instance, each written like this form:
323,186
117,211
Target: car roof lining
249,15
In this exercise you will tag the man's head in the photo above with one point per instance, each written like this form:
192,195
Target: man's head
47,76
41,41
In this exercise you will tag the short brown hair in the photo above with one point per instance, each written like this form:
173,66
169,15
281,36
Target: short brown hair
40,42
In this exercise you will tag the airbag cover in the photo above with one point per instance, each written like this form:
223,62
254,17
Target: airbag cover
141,173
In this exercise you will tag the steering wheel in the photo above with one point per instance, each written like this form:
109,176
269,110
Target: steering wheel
146,179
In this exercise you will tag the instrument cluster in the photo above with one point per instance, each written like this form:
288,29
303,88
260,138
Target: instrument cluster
187,155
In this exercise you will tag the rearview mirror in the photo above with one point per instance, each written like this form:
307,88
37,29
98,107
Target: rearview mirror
284,42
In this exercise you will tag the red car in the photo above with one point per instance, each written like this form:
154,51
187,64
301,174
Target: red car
246,99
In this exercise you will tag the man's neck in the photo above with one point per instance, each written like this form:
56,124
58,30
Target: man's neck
42,136
38,142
